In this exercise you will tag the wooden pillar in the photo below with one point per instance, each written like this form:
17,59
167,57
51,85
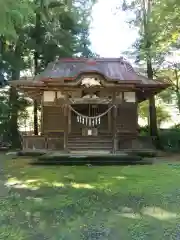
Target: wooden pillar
114,124
137,116
66,129
109,119
42,116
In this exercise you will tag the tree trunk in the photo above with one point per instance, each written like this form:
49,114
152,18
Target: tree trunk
13,100
177,90
35,105
178,100
13,116
36,68
35,112
152,117
152,110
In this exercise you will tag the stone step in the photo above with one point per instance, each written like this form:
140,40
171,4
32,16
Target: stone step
92,162
90,153
87,158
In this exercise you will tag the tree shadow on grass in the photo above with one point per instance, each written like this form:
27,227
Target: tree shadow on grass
83,213
87,203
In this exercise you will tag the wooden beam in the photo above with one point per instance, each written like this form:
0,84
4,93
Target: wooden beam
53,131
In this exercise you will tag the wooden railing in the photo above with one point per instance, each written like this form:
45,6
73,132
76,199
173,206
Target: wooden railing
42,142
124,141
134,142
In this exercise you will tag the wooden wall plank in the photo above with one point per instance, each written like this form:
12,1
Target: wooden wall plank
127,117
53,119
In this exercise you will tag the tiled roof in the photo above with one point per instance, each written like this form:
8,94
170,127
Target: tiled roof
118,69
71,68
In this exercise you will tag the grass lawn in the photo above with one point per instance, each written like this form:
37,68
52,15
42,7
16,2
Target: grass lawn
88,203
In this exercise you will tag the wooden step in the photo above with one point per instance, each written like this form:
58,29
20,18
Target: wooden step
77,142
89,137
80,141
85,148
90,146
90,143
102,142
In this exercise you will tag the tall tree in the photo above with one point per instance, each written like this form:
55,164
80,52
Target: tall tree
59,28
148,38
143,10
37,29
153,40
14,17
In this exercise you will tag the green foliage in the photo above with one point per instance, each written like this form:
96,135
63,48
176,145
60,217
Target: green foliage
158,25
14,15
172,73
49,28
167,96
161,113
169,138
63,30
144,131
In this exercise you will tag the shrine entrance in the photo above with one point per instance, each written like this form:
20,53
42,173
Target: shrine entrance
90,119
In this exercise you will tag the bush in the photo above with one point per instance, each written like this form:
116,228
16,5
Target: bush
144,131
169,138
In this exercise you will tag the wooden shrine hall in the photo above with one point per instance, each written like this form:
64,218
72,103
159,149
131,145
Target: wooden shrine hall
87,104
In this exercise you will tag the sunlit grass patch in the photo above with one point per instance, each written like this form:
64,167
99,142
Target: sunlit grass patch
70,202
159,213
